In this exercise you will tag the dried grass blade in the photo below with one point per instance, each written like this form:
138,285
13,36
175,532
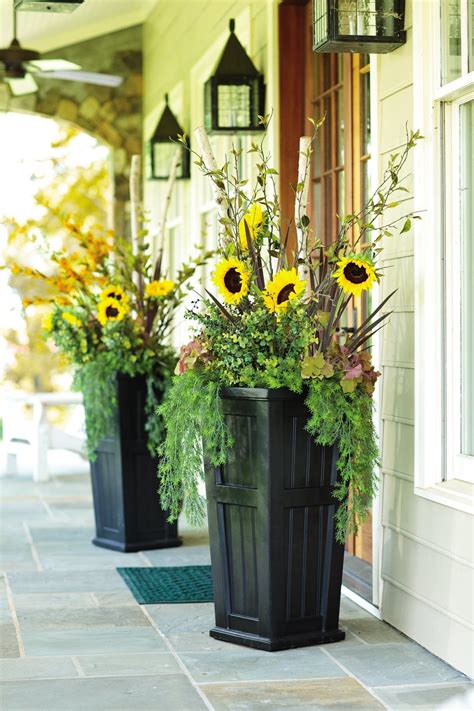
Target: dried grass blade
356,341
222,308
374,312
257,264
367,337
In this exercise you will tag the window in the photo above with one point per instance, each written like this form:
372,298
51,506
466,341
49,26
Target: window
456,110
444,256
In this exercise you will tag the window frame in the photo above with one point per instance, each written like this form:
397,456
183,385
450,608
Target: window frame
435,109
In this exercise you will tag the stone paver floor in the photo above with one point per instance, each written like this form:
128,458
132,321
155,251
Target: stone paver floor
72,636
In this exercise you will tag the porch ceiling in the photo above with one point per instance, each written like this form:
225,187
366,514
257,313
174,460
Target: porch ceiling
44,31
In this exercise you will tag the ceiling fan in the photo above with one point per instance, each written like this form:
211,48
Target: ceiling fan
20,67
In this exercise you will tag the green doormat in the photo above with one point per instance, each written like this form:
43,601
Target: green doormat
152,586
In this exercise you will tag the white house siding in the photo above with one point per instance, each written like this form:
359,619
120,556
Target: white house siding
427,547
183,41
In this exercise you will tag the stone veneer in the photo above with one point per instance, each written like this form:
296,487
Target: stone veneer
114,116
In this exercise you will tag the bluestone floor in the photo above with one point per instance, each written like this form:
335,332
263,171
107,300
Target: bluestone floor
72,636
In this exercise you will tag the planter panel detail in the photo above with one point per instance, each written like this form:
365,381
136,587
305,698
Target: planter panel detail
277,568
125,486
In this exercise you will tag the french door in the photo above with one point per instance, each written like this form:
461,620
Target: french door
336,86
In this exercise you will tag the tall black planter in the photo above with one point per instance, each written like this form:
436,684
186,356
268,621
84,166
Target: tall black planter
127,508
277,569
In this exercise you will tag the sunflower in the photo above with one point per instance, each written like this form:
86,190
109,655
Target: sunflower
71,319
283,288
232,277
355,274
254,219
47,321
163,287
111,310
114,292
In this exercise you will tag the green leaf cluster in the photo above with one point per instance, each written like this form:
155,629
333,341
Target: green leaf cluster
346,420
194,420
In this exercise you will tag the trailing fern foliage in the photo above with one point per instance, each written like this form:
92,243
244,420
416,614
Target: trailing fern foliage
194,420
345,419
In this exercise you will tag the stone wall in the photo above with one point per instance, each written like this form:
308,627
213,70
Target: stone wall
114,116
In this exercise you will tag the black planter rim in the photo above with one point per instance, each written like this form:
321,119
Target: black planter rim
244,393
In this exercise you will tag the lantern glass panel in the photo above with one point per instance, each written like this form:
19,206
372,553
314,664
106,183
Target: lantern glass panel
234,105
357,17
163,154
320,21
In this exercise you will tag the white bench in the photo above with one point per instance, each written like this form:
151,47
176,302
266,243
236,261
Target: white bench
39,434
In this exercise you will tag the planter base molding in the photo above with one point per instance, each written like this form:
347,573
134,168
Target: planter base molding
276,645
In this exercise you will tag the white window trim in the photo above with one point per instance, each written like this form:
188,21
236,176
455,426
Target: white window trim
430,321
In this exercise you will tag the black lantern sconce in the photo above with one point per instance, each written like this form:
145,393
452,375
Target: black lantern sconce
368,26
163,146
234,96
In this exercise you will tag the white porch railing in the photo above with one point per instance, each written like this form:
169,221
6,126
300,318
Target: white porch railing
39,433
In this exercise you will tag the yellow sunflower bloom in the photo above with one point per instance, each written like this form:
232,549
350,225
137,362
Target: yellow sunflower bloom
283,288
71,319
114,292
254,219
47,321
163,287
232,278
111,310
355,275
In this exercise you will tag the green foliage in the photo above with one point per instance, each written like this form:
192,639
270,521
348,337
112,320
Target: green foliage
97,379
345,419
98,386
257,350
194,419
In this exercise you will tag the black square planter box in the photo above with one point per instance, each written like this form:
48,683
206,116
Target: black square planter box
125,485
277,568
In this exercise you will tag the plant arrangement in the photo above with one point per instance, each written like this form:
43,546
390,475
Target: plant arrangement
110,311
271,319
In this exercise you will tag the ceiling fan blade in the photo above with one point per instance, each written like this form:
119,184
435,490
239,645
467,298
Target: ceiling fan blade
21,87
86,77
52,65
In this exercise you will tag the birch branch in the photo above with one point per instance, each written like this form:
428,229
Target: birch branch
210,164
173,171
301,200
135,203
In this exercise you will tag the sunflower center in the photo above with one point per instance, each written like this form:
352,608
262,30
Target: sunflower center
111,312
233,281
355,273
284,294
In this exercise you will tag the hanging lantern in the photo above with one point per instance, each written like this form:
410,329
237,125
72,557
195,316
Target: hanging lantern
234,96
163,146
367,26
48,5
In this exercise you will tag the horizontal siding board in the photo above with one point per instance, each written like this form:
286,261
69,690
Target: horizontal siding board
441,526
398,393
429,627
398,276
412,565
398,342
398,447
